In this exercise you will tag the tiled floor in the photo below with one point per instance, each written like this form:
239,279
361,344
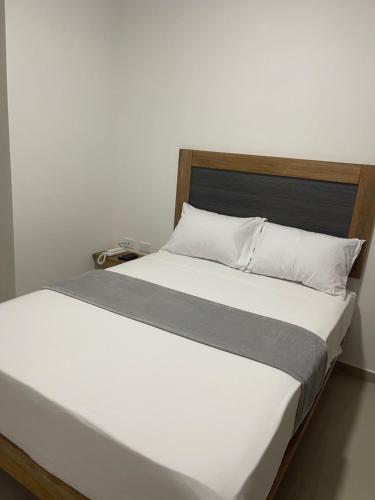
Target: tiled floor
336,459
10,490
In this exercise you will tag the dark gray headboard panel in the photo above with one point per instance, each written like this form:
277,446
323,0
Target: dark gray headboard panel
314,205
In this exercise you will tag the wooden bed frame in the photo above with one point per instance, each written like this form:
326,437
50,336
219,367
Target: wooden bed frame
48,487
360,176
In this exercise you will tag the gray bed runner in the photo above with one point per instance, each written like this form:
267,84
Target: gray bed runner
284,346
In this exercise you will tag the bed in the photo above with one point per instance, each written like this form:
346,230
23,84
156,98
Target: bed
101,406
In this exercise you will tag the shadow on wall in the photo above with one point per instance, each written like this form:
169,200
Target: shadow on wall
353,342
319,464
354,339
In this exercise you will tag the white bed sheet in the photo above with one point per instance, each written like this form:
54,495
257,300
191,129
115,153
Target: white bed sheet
119,409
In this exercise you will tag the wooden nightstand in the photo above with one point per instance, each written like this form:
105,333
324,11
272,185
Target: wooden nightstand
113,261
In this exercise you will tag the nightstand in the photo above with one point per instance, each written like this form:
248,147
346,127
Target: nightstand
113,261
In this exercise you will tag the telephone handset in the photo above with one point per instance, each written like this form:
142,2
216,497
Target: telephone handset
109,253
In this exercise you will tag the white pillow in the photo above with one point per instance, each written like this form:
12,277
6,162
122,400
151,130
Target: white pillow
316,260
221,238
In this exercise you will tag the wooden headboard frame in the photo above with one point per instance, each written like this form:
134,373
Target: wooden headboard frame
363,176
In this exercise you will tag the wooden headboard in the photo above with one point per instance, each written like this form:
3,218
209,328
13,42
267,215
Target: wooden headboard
327,197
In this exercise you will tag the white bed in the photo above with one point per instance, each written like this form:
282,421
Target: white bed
119,409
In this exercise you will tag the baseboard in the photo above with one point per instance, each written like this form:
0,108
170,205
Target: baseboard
356,372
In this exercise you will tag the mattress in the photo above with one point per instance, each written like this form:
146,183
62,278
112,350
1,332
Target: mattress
119,409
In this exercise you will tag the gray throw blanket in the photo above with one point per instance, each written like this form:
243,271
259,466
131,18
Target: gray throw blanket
284,346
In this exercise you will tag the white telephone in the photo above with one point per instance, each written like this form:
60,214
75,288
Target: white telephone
109,253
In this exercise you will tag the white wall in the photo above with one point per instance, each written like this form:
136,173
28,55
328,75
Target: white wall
61,77
7,283
94,152
292,78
